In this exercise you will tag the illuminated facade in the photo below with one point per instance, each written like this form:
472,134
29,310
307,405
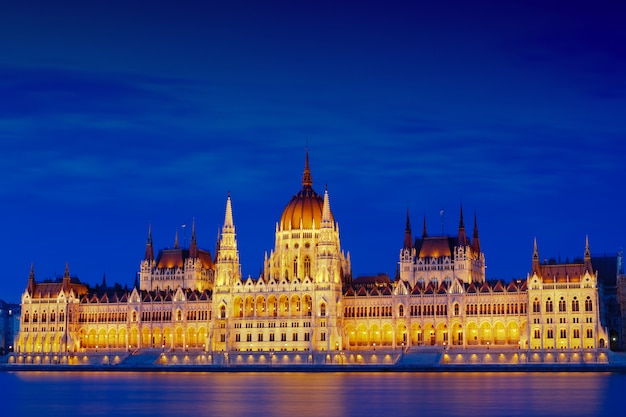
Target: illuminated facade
305,298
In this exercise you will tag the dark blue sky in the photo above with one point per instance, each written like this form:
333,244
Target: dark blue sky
114,115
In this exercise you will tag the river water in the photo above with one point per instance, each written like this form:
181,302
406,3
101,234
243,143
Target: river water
392,394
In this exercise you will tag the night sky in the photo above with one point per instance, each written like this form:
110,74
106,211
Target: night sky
118,115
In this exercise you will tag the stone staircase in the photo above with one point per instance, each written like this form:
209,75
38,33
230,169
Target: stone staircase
140,360
423,358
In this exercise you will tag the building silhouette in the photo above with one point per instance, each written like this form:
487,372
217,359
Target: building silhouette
306,300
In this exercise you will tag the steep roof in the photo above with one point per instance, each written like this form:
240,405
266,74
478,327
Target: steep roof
435,246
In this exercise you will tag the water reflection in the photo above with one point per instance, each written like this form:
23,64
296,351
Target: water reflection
312,394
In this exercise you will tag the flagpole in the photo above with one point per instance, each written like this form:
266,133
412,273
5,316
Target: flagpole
441,212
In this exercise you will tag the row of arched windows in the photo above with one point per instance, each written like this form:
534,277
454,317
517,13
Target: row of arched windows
372,311
562,305
44,316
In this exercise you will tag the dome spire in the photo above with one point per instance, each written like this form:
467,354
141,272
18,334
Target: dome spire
307,181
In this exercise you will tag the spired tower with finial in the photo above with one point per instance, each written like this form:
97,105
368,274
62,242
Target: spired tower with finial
440,259
176,267
564,289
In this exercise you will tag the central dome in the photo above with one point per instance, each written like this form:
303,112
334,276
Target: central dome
305,208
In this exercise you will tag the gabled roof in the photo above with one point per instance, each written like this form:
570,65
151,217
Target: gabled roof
417,289
443,288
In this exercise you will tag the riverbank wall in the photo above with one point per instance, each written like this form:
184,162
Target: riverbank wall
333,361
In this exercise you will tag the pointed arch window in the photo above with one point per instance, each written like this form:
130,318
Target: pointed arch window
588,304
536,306
549,306
307,266
323,309
562,307
575,306
295,267
222,312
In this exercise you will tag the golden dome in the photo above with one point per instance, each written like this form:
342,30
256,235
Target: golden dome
305,207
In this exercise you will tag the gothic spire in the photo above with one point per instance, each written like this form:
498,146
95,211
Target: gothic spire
326,219
149,250
475,239
193,245
424,233
535,265
228,217
176,240
587,259
31,279
66,278
408,238
462,236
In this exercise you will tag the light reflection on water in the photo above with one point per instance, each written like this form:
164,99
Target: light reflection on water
311,394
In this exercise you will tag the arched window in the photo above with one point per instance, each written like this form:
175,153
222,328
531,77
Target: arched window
26,317
536,306
456,309
62,316
52,317
222,312
179,315
562,305
323,309
134,316
575,306
401,310
549,306
588,305
307,266
295,267
43,317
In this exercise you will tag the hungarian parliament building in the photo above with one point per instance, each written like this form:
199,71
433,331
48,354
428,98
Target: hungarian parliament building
305,299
